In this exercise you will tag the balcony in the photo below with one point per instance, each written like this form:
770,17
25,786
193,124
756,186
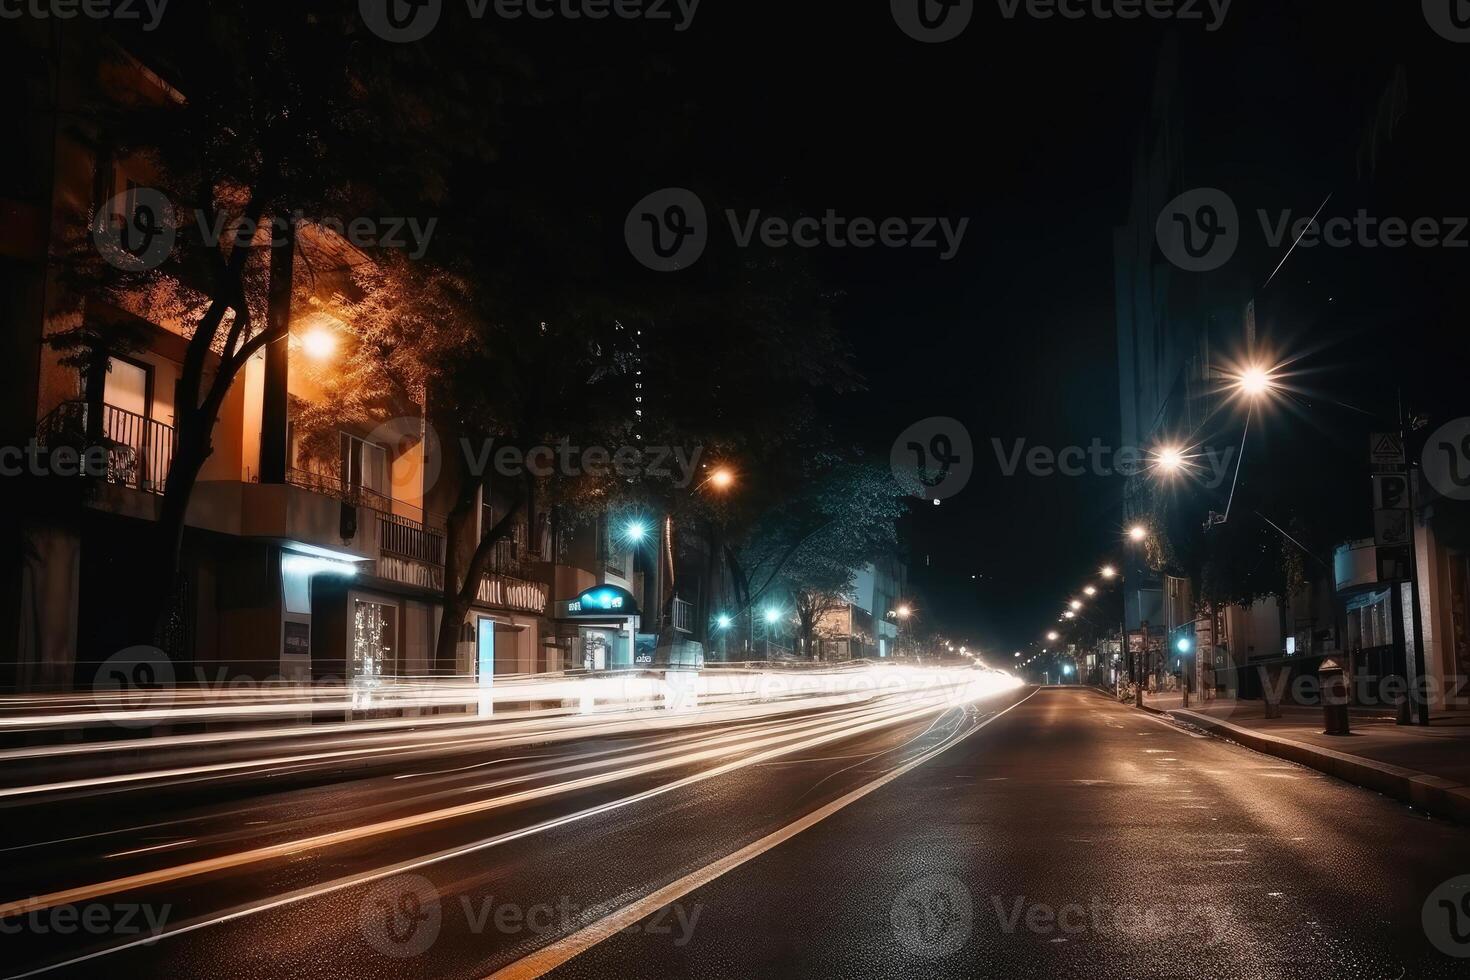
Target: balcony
139,449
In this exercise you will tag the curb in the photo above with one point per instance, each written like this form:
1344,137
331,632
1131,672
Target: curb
1434,794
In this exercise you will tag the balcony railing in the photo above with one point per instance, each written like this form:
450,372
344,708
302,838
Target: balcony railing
332,485
683,616
410,539
139,449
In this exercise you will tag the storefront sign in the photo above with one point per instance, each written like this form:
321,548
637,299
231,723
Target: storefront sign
602,602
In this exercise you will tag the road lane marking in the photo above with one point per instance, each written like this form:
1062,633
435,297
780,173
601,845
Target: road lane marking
414,864
550,957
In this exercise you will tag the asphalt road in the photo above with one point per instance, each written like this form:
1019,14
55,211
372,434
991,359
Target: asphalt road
1037,833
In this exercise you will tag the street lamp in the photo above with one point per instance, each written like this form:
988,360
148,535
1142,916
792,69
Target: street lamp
1075,605
721,479
1090,591
635,531
723,621
1137,532
1109,572
1069,614
1053,636
1169,460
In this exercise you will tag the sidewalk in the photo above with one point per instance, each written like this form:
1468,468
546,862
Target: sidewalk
1428,767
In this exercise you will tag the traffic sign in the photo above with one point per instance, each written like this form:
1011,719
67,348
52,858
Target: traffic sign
1391,491
1386,449
1391,528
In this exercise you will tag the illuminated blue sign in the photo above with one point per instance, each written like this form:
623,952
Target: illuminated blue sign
602,602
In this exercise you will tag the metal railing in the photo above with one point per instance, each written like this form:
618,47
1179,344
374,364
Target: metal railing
332,485
409,539
140,450
683,616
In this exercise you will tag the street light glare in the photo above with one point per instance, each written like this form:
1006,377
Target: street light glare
1108,571
1053,636
722,479
904,612
319,343
1137,532
1255,381
1090,590
635,531
1076,604
1169,459
772,615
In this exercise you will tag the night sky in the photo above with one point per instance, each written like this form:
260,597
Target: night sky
1028,129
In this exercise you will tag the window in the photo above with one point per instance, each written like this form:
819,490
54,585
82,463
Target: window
127,386
364,465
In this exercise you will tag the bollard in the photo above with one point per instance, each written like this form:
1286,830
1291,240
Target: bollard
1334,697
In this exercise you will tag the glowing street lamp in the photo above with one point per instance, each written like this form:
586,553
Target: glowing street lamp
1137,532
721,479
772,617
319,343
1090,590
636,531
1109,572
723,621
1069,614
1075,604
1169,460
1053,636
903,612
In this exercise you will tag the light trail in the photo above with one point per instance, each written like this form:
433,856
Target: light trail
414,864
801,736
